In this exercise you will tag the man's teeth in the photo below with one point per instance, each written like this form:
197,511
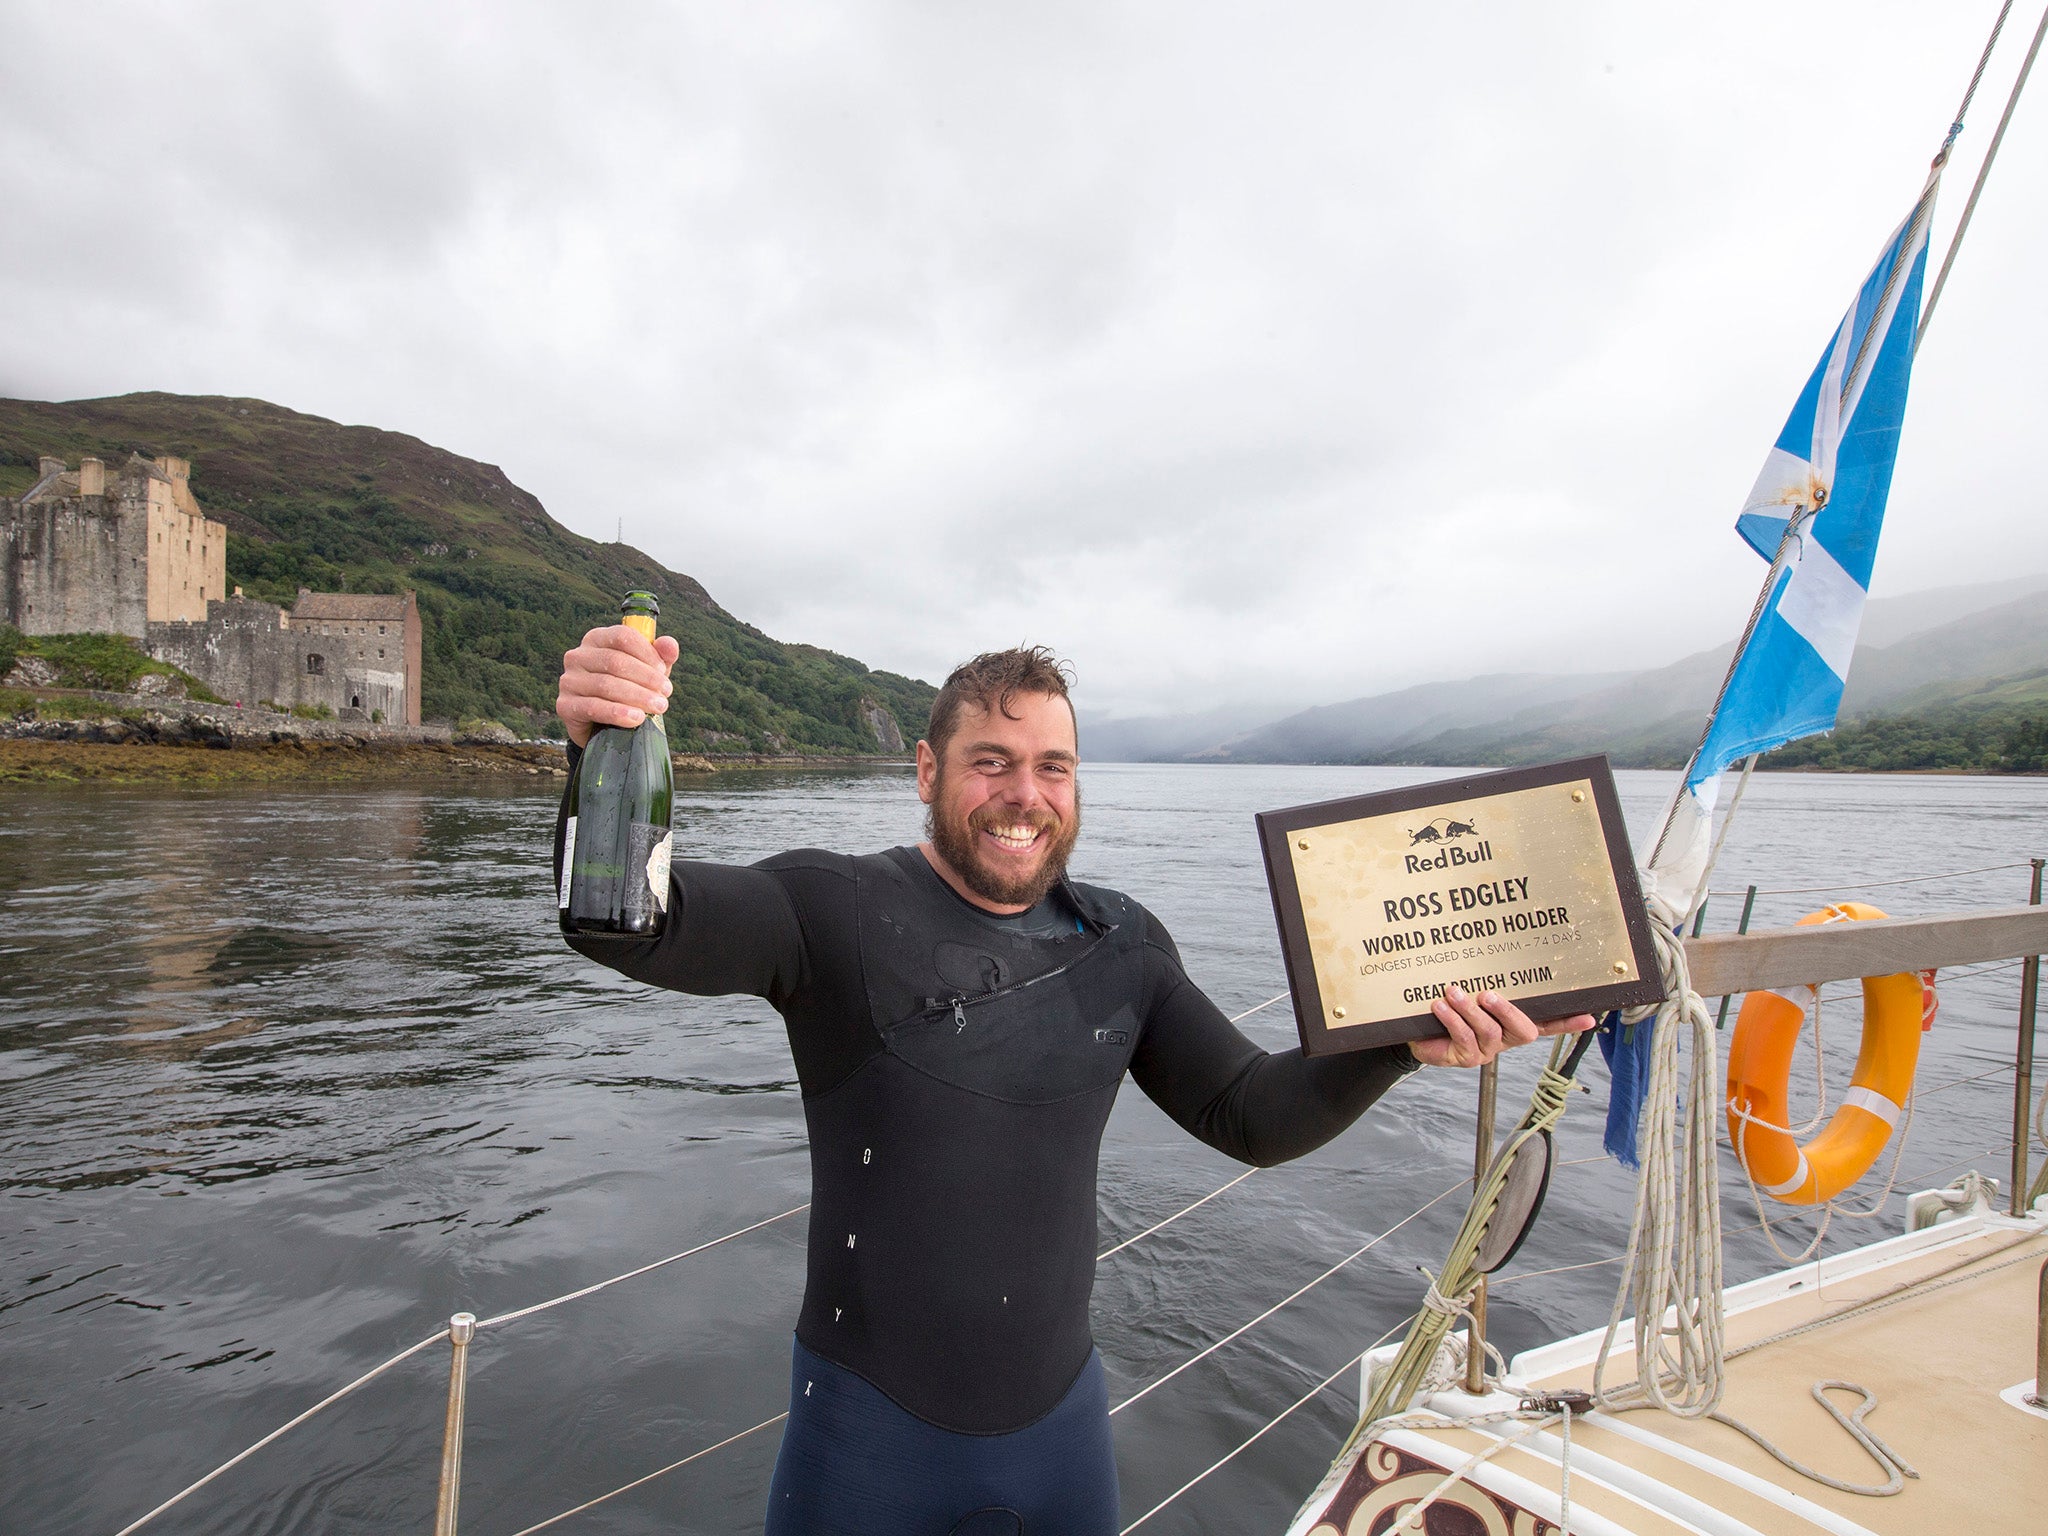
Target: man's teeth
1015,837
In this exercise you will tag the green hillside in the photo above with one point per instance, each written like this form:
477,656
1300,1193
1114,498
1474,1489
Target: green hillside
503,588
1979,738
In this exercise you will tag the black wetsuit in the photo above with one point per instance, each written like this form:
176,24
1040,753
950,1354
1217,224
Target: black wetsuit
957,1070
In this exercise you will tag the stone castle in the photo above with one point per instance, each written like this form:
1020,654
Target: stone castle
130,552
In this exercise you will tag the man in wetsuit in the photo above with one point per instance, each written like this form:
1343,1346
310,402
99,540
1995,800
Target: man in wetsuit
961,1015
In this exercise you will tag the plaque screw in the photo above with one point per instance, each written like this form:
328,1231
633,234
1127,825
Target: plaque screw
1302,844
1335,1013
1578,797
1620,967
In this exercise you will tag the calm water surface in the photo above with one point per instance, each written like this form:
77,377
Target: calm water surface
285,1080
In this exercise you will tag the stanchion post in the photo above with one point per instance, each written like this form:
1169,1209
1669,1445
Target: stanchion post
461,1329
1482,1154
2023,1063
2040,1396
1748,906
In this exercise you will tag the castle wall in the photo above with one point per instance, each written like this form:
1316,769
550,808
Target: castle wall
76,564
414,631
188,553
374,653
241,651
248,651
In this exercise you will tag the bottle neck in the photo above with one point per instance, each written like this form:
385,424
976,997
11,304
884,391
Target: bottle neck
643,622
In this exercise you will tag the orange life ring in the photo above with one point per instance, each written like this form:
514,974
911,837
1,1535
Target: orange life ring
1896,1009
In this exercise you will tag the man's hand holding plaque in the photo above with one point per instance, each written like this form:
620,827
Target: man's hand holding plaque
1478,1028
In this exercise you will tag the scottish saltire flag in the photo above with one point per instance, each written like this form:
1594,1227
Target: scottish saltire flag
1824,483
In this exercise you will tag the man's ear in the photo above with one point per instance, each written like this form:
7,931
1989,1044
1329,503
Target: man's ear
927,771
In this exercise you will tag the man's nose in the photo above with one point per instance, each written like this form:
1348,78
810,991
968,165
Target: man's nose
1020,790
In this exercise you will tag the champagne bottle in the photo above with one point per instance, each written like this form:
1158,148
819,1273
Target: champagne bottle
615,849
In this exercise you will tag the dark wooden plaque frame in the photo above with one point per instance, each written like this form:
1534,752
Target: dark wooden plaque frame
1317,1037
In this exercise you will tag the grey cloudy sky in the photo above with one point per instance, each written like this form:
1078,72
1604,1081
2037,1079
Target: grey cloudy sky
1243,353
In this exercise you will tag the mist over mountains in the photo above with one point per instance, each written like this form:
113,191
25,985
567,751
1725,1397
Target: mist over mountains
1925,651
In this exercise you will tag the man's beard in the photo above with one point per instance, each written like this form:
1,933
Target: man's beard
958,841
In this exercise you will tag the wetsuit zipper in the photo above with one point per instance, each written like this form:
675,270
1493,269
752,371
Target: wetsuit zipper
938,1007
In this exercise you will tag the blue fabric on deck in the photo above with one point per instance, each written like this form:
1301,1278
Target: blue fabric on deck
855,1463
1627,1052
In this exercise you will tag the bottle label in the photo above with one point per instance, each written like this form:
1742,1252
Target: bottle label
647,857
657,872
568,859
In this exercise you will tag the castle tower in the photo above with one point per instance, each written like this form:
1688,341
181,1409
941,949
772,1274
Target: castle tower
83,552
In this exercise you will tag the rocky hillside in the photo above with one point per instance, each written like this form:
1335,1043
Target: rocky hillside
503,588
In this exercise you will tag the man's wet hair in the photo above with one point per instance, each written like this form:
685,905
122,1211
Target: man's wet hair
990,681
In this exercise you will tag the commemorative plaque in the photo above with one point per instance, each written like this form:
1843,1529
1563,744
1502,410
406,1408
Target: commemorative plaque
1520,883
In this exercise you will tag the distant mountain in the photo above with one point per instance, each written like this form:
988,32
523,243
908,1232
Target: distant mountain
1374,729
1163,738
1888,620
1920,651
1965,653
503,588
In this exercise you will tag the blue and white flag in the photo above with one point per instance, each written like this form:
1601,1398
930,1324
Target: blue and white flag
1825,485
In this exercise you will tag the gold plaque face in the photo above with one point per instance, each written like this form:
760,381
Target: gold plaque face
1518,883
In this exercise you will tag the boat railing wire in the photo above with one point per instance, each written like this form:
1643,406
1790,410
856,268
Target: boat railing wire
1986,968
1837,887
519,1313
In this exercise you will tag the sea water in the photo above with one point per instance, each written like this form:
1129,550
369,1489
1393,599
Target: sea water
285,1081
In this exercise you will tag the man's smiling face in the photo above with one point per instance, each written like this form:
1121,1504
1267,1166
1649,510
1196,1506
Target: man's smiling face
1005,808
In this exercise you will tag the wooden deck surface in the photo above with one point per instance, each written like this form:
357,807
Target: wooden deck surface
1937,1361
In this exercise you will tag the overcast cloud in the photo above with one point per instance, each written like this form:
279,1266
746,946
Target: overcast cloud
1239,352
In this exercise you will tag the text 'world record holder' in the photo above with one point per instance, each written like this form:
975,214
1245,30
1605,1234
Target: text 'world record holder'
1519,882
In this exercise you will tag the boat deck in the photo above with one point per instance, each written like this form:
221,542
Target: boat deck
1940,1325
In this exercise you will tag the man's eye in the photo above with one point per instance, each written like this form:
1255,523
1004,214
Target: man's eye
989,764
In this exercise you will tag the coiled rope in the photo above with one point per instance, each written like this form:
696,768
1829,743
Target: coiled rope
1673,1261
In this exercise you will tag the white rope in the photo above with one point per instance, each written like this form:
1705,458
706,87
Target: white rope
1176,1216
1700,893
1297,1295
1674,1249
1870,885
1890,1460
1239,1018
406,1354
2041,1116
591,1290
282,1429
1411,1517
1941,1279
1983,171
1225,1460
1744,1120
1184,1210
1564,1475
650,1477
1959,1082
632,1274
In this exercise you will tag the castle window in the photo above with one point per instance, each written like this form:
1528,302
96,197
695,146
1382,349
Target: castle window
316,663
380,630
380,653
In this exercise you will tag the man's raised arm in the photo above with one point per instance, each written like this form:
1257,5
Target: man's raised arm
1266,1107
730,929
